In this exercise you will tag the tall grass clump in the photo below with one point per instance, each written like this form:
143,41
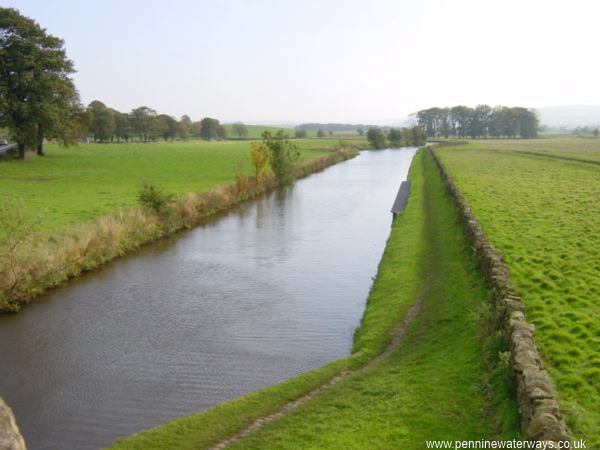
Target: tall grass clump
16,233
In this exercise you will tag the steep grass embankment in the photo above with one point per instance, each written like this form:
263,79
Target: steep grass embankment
543,215
442,381
84,247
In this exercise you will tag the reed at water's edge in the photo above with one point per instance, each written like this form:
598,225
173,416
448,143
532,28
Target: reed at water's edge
85,247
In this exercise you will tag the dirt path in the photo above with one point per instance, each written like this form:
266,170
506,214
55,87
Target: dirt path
397,336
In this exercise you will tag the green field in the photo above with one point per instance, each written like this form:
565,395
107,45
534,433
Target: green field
562,146
256,131
80,183
543,215
438,383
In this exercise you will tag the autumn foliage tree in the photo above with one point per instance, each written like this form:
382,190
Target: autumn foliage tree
259,158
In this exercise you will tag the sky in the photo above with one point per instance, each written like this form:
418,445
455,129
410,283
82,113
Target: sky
347,61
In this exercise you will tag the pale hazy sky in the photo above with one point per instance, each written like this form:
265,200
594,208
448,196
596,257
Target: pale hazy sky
336,61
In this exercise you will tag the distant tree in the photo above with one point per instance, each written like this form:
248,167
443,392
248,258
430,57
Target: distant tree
419,137
168,127
395,137
259,158
376,138
37,96
459,118
595,132
283,155
240,129
320,134
196,129
221,132
527,122
103,121
142,120
479,122
300,134
330,132
209,128
361,132
184,127
123,128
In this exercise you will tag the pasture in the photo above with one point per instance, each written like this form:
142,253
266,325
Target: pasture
542,212
72,185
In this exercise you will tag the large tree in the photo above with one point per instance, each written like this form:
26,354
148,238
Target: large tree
37,96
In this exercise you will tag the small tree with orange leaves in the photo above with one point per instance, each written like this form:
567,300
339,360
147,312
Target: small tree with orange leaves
259,158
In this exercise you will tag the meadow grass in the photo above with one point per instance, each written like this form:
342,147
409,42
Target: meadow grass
563,146
72,185
543,215
435,385
256,131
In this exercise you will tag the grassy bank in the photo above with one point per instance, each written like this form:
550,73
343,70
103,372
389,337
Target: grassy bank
543,214
443,381
54,257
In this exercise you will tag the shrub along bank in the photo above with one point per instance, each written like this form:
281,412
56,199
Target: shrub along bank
87,246
443,380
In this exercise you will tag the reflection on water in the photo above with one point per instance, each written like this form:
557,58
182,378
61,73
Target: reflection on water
272,289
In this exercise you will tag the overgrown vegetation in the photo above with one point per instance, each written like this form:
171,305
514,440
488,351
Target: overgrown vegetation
396,137
153,197
16,233
283,155
542,212
388,404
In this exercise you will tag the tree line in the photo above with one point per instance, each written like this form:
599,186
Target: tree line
107,125
396,137
483,121
39,101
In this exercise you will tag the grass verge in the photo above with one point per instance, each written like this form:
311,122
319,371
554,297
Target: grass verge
433,385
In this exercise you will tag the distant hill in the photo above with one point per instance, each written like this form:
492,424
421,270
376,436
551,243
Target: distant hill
570,116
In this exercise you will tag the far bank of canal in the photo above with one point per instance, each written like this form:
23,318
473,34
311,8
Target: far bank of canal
271,289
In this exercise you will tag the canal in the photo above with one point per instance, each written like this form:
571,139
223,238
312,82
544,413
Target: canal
271,289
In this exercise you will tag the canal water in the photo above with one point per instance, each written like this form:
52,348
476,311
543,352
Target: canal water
267,291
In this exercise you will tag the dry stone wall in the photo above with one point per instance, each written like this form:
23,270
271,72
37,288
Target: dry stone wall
541,419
